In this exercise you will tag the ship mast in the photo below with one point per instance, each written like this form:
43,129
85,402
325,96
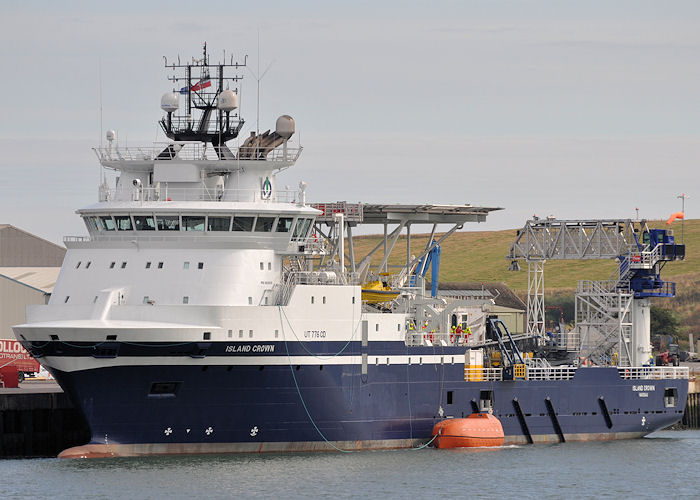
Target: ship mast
211,111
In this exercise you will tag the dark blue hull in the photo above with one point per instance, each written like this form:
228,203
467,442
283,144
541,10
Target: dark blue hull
276,407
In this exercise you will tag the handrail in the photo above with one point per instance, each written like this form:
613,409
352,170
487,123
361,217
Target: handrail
166,194
195,151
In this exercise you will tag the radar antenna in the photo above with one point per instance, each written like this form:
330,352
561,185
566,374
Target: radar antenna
211,110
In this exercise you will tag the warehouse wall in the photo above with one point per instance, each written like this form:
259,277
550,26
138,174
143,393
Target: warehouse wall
21,249
14,297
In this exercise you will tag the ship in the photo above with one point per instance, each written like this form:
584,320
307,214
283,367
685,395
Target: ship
211,310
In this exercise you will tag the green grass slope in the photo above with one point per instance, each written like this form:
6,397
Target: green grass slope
481,256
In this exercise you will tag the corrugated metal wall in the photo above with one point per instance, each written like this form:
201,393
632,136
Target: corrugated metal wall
20,249
14,297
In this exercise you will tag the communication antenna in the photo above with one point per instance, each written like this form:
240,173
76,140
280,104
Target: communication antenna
258,79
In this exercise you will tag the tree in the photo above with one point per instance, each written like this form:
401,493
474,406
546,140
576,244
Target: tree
664,322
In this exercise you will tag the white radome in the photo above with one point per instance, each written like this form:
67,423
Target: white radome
285,126
169,102
228,100
111,135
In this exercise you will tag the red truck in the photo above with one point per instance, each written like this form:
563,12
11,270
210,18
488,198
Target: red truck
13,354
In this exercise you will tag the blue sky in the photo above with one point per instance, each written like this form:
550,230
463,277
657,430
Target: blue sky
577,109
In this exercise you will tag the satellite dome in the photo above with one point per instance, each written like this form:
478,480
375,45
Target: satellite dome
111,135
285,126
228,100
169,102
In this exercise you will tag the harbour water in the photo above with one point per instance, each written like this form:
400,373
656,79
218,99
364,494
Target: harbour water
663,465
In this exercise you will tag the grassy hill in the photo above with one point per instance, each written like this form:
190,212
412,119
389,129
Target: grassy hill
480,256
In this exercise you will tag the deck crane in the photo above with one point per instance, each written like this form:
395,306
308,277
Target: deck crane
612,316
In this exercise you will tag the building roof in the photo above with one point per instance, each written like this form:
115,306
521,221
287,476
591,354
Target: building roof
501,294
40,278
23,249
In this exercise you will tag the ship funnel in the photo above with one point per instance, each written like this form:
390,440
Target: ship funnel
169,102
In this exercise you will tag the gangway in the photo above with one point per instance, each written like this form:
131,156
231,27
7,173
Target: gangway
612,316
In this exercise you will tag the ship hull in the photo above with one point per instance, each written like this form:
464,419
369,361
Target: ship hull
217,408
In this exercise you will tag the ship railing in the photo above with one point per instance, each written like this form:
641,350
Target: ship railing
189,151
481,374
414,338
550,373
166,194
654,372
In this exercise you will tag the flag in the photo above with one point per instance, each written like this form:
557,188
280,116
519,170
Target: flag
201,84
183,90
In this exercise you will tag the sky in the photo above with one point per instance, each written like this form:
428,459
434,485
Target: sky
553,107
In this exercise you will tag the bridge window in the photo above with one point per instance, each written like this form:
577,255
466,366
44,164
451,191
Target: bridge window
284,224
92,223
168,223
108,223
243,223
218,223
264,224
192,223
123,222
144,223
299,228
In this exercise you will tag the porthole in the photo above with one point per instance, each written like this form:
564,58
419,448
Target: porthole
185,300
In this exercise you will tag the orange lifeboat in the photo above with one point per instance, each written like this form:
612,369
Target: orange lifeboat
477,430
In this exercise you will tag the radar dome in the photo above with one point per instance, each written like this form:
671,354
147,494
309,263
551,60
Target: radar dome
169,102
111,135
228,100
285,126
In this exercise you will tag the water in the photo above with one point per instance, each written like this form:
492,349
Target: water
662,465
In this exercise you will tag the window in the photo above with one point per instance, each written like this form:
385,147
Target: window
262,266
218,223
87,265
66,301
230,334
200,265
185,300
250,301
108,223
298,229
376,327
240,334
186,265
264,224
168,223
277,333
192,223
307,226
144,223
92,223
312,299
324,299
111,266
123,222
449,397
284,224
123,265
206,336
269,266
148,265
242,223
250,333
145,299
78,265
160,265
